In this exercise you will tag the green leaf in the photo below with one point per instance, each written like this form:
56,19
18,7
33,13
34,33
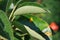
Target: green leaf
33,33
7,25
30,4
1,25
19,26
37,26
40,23
29,9
25,21
33,38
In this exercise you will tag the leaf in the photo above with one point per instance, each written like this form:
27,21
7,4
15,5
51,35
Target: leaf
25,20
23,30
17,35
7,25
38,21
1,25
41,24
33,33
30,4
29,9
33,38
20,26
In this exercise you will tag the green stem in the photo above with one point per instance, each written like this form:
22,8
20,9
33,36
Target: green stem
22,35
14,9
12,18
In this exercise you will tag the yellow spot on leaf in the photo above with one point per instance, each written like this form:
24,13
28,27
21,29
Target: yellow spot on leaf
31,19
48,33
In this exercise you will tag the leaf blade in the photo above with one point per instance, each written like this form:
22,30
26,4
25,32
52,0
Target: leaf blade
7,24
29,9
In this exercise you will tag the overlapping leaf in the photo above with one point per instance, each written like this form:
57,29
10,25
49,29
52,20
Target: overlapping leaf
38,21
7,26
29,9
33,33
30,4
36,25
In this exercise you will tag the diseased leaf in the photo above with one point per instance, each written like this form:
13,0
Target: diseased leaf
41,24
37,27
38,21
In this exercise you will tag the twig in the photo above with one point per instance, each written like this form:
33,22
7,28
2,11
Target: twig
14,9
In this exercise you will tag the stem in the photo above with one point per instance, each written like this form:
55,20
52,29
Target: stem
12,13
14,9
22,35
13,18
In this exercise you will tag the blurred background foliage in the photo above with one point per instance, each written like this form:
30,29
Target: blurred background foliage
51,5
